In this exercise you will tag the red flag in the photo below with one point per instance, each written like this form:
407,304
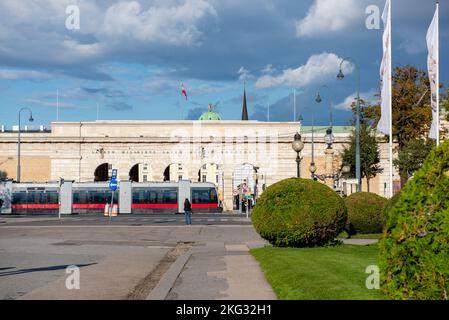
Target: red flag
183,91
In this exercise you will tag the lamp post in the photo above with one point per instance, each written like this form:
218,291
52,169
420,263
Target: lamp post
329,138
341,76
318,99
18,141
297,146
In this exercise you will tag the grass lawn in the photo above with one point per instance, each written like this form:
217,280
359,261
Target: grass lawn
319,273
345,235
367,236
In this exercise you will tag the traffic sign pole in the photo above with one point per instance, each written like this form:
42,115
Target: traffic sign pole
110,207
113,187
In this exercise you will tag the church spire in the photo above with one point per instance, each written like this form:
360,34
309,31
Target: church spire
244,109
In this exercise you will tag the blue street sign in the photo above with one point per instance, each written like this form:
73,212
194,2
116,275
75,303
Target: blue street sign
114,174
113,185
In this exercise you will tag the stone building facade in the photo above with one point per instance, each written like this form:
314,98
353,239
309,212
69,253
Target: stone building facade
87,151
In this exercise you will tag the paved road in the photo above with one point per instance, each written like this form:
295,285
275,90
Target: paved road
130,220
130,258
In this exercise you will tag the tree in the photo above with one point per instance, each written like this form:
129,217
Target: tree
369,153
412,114
445,104
412,156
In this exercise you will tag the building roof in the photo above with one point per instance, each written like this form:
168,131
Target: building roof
335,129
210,115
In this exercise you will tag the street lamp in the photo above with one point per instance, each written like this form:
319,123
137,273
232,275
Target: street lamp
18,141
312,169
318,99
297,146
341,76
329,138
346,169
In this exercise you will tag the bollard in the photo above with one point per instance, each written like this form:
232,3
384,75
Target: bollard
106,210
114,210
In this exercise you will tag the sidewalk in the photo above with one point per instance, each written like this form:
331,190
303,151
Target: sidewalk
221,267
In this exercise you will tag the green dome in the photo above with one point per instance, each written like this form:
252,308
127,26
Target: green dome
210,115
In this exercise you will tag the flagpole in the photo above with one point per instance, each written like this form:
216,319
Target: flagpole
294,105
391,105
438,73
57,104
268,112
180,105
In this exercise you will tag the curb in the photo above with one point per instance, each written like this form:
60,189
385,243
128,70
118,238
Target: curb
167,281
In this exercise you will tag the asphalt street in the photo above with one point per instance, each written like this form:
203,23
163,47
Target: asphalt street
127,220
130,257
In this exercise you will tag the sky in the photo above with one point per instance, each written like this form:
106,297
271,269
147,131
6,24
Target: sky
126,60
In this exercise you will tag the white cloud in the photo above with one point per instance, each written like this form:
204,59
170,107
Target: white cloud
318,69
53,104
369,98
329,16
6,74
158,24
269,69
244,74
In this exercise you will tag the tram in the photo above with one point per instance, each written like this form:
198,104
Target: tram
91,198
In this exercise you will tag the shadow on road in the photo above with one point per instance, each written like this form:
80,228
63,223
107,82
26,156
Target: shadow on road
50,268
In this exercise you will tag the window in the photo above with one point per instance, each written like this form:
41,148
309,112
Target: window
204,178
33,197
204,195
145,177
180,177
155,196
100,196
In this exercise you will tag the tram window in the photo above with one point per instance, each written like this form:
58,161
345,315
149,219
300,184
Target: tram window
80,197
204,195
19,198
52,197
169,196
33,197
92,196
152,196
140,196
155,196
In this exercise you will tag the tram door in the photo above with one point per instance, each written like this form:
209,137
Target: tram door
183,193
65,197
125,197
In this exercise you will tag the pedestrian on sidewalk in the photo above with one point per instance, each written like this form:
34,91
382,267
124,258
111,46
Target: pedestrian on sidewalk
188,211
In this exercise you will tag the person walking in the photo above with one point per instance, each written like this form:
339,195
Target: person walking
188,211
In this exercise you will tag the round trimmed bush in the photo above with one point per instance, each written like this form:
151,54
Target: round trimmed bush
414,252
299,213
365,213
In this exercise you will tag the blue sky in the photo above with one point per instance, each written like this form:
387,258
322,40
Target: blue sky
129,57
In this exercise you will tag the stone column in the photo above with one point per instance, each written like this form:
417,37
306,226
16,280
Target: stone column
329,152
227,193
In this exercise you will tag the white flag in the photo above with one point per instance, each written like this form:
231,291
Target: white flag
385,73
433,66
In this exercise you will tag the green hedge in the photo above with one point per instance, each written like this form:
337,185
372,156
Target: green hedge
414,251
299,213
365,213
391,203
